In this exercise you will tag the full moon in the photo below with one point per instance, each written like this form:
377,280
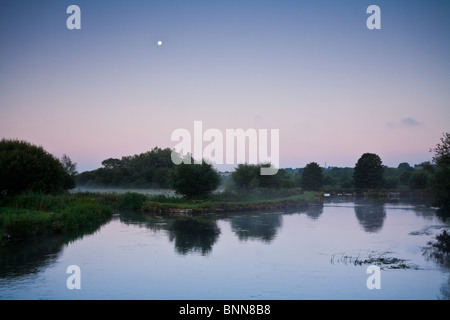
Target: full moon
159,43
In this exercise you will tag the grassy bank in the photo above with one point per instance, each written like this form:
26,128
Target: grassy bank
230,202
31,215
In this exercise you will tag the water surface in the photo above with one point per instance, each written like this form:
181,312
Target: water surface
268,255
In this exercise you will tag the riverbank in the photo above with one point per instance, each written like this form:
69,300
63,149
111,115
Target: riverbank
30,215
229,203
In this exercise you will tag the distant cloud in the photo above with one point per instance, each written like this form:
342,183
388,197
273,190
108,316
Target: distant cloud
404,123
410,122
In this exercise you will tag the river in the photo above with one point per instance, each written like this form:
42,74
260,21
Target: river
308,253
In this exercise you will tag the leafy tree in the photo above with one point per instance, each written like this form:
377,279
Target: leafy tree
441,182
442,151
149,169
404,177
427,166
26,167
246,176
368,173
71,171
195,180
404,166
112,163
312,177
418,180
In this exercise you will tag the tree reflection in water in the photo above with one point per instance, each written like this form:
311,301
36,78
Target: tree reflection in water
193,235
439,252
261,227
370,215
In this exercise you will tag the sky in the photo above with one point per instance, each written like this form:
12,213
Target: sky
312,69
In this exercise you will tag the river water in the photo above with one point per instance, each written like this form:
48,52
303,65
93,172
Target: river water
304,254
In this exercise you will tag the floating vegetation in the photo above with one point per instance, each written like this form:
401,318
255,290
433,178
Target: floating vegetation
380,259
427,231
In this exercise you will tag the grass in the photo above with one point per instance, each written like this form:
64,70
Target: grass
28,215
230,202
31,215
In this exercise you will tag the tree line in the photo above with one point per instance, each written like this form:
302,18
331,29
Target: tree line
25,167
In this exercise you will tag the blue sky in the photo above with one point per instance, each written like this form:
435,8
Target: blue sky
311,69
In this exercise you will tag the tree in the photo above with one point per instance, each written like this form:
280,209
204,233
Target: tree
26,167
418,180
368,173
441,182
195,180
442,151
149,169
246,176
71,171
112,163
312,177
404,166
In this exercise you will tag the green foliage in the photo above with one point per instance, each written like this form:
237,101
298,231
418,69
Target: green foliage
441,182
312,177
442,151
150,169
418,180
404,166
440,187
368,173
195,180
248,176
26,167
132,201
29,215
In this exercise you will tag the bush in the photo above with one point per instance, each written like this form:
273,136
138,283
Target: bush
418,180
248,176
132,201
195,180
25,167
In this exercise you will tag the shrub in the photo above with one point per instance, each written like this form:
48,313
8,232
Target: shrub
26,167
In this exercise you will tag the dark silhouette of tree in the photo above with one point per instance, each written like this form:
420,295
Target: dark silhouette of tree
368,173
194,180
26,167
149,169
248,176
441,182
312,177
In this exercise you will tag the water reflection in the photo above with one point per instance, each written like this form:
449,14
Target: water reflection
192,235
313,212
438,251
22,258
189,235
188,238
262,227
370,215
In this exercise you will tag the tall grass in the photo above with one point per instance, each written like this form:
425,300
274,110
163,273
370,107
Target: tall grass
34,214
